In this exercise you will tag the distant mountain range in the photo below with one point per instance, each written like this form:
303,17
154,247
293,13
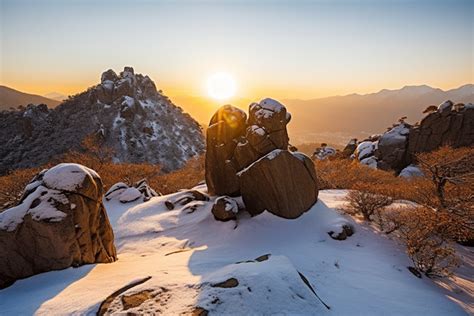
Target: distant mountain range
334,119
331,119
55,96
13,98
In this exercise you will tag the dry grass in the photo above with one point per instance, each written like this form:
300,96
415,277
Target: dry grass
98,158
444,197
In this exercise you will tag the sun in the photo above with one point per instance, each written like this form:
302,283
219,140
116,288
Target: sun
221,86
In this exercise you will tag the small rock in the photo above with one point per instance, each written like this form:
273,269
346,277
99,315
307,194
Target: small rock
130,195
232,282
347,231
225,209
136,299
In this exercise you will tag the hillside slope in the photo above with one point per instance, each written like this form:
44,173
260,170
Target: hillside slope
181,260
124,112
13,98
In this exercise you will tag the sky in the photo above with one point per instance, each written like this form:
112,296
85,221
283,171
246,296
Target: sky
282,49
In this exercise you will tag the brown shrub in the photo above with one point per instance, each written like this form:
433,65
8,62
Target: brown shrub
13,184
99,158
347,174
444,209
363,201
450,174
426,235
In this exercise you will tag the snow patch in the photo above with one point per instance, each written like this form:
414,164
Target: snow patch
45,208
67,176
411,171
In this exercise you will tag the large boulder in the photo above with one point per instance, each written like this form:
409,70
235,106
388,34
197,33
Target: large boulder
60,222
392,147
224,131
281,182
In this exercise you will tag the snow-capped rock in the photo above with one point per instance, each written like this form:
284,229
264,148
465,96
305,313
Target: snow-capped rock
60,222
365,149
225,208
324,152
411,171
135,120
392,147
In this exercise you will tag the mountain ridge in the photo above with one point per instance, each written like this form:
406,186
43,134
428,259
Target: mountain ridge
124,112
10,97
356,115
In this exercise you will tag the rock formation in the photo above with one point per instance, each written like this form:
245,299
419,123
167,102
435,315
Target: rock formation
124,110
250,157
60,222
447,124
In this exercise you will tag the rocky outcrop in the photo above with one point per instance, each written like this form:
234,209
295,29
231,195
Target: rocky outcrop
447,124
60,222
450,125
136,121
250,157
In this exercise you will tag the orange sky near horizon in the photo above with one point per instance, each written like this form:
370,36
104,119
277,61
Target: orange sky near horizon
280,49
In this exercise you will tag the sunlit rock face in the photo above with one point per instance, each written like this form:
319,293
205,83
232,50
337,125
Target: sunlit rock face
447,124
250,157
125,111
225,129
60,222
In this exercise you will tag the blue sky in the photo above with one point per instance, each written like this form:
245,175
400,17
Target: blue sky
299,49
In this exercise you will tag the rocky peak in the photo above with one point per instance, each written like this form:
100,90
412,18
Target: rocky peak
139,123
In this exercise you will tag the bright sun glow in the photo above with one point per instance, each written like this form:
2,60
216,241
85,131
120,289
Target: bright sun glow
221,86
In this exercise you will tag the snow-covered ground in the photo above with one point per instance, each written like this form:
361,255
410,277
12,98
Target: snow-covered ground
188,253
